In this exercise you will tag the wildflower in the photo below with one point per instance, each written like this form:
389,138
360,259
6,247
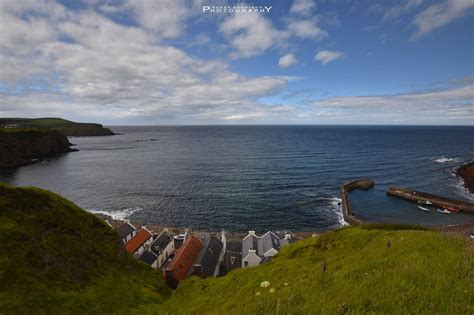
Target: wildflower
272,290
257,293
264,284
285,284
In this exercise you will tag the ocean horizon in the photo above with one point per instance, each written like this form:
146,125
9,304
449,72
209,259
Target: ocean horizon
257,177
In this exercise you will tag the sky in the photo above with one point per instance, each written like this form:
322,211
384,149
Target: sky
187,62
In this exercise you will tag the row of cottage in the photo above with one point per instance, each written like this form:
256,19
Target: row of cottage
200,254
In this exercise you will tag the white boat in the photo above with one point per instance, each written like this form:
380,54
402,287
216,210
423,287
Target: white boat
423,209
444,211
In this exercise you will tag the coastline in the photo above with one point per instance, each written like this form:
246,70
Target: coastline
466,172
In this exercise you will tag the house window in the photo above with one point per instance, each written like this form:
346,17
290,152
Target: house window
246,263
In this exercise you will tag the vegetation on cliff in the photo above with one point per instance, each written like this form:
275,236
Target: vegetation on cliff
466,172
56,258
69,128
379,269
21,146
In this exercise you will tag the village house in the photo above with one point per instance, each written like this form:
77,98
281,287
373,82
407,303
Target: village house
149,258
126,231
260,249
207,262
177,270
163,247
233,256
141,241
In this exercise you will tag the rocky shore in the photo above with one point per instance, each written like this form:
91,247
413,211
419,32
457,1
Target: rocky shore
24,147
466,172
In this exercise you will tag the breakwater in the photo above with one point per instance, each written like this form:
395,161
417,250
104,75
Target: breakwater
415,196
346,188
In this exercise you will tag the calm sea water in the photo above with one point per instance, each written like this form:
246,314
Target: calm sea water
256,177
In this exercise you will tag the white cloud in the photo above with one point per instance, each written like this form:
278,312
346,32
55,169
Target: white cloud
251,34
448,106
306,29
163,17
304,7
438,15
287,61
326,56
403,7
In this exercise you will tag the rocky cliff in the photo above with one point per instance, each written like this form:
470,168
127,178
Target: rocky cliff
67,127
22,147
466,172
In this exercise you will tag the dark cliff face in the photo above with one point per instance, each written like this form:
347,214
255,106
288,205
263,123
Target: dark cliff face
21,147
466,172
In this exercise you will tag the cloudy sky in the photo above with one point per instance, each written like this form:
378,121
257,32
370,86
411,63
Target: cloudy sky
302,62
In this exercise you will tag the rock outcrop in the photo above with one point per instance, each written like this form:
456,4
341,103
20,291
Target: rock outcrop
23,147
466,172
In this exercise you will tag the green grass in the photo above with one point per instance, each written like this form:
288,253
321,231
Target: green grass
56,258
422,272
69,128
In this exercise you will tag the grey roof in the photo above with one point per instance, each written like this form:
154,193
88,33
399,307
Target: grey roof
261,245
208,258
269,241
248,243
148,257
125,229
161,242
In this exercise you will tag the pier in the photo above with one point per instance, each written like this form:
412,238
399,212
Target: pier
363,184
439,201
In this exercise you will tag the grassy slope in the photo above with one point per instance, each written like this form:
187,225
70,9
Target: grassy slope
67,127
421,272
56,258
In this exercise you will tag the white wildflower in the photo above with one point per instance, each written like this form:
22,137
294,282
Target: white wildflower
285,284
272,290
258,293
264,284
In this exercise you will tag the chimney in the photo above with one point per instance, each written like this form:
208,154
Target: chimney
252,233
126,221
165,230
287,236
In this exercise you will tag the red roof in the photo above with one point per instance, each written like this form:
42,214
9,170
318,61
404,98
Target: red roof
184,258
137,241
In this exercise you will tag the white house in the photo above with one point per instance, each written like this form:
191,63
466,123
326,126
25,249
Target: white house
259,249
163,247
126,231
140,242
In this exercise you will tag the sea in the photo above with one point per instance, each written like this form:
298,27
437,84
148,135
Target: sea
239,178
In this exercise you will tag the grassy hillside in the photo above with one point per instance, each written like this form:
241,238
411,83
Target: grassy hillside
56,258
422,272
67,127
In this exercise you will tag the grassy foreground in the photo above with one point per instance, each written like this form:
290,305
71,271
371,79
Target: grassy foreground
422,272
56,258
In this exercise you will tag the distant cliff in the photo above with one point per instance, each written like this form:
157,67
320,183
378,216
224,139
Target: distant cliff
466,172
20,147
67,127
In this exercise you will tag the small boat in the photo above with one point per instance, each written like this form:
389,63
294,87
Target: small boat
423,209
443,211
452,209
424,202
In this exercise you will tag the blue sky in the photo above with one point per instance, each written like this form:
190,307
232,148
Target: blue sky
300,62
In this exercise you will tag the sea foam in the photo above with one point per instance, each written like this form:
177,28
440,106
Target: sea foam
444,159
121,214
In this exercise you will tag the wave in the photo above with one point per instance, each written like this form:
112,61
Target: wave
336,203
122,214
444,159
